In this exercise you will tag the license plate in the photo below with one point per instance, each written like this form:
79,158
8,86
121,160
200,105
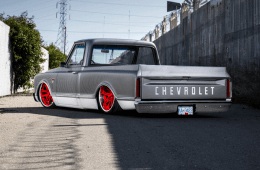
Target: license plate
185,110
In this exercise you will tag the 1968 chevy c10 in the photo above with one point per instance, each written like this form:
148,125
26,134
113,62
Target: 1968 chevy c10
113,74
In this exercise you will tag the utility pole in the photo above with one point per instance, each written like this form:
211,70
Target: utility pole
104,26
129,26
62,37
64,41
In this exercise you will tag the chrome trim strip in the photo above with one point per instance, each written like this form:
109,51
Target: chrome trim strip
181,101
92,96
69,95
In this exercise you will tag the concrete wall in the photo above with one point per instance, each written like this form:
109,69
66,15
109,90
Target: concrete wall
5,60
221,33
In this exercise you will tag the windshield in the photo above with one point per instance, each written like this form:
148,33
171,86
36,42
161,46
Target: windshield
121,55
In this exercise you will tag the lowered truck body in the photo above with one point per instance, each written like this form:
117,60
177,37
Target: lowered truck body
110,75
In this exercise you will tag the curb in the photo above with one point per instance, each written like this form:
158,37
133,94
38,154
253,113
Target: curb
18,94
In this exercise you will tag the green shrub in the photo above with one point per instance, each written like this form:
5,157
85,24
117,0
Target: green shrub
55,56
26,48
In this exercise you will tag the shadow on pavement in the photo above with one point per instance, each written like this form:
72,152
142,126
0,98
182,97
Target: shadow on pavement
43,147
149,141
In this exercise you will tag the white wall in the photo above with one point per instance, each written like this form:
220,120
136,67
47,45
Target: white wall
45,65
5,60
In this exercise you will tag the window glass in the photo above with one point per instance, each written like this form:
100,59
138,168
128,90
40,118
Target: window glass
112,55
145,56
77,55
122,55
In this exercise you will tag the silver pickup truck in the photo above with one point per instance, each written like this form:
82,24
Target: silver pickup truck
115,74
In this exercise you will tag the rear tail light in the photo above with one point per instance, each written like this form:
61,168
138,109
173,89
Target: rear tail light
228,88
138,87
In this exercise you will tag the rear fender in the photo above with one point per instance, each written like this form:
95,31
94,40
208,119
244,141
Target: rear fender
105,84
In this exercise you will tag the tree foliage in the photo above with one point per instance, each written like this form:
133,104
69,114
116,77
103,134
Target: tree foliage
26,47
55,56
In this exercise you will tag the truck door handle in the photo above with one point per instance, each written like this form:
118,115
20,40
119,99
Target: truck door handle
74,72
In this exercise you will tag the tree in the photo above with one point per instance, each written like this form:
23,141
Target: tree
26,47
55,56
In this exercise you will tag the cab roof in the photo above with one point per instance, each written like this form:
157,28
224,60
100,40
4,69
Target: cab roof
109,41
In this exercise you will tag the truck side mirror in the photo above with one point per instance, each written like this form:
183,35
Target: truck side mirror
62,64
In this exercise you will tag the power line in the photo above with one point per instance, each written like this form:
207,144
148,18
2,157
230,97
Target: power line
116,14
106,23
135,22
40,18
40,9
110,23
109,3
95,32
46,2
12,4
129,26
30,7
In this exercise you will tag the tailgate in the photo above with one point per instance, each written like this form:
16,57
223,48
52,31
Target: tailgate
183,82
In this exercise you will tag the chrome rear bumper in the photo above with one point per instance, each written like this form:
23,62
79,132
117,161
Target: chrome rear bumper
172,106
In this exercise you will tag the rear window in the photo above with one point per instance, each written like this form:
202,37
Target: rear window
145,56
121,55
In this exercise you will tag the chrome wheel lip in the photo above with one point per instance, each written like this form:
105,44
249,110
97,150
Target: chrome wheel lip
41,97
99,99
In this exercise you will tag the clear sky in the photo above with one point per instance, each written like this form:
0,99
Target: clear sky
87,17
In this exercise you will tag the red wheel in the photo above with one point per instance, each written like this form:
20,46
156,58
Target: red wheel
45,96
106,98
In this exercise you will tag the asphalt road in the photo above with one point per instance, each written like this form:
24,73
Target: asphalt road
33,137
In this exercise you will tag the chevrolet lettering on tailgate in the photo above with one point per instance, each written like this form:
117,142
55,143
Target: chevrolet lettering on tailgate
115,74
184,90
